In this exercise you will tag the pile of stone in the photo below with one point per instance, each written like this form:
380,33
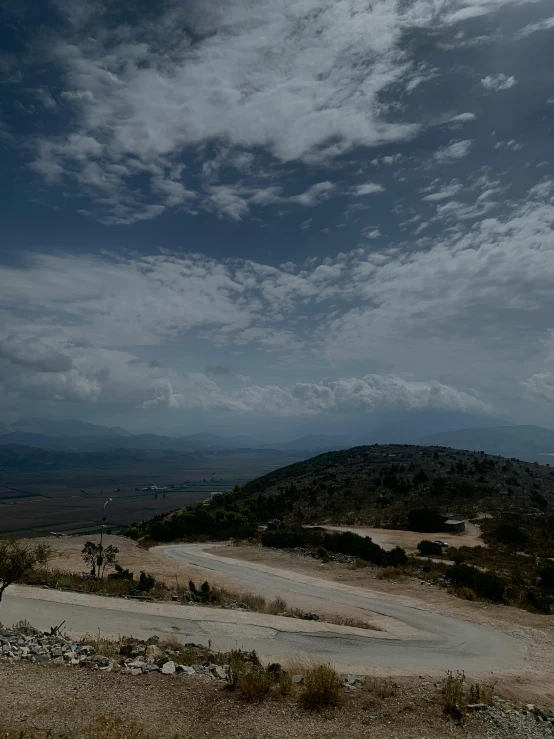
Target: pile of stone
32,645
137,659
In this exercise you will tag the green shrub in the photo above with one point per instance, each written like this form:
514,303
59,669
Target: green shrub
486,585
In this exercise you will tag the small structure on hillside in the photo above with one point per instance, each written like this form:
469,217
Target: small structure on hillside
275,525
455,524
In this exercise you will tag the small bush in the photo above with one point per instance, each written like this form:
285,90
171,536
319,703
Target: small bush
146,582
254,686
428,548
322,689
238,667
453,694
284,683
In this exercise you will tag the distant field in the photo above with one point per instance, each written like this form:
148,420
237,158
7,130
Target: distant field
70,500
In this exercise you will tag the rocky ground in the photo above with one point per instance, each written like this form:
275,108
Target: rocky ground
150,683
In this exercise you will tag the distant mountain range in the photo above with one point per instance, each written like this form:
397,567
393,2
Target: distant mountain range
525,442
64,427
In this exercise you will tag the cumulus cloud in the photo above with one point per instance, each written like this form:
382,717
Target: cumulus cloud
448,307
498,82
346,395
34,354
540,386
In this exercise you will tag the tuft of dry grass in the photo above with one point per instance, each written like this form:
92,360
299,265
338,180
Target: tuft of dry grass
481,693
322,689
380,687
391,573
254,686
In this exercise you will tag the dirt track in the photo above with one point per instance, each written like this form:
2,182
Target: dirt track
389,538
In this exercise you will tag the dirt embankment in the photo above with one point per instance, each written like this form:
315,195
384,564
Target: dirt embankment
38,698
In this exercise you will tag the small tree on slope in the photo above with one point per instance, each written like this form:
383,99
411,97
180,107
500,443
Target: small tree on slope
17,560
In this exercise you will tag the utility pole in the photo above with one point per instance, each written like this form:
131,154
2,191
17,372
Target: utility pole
100,558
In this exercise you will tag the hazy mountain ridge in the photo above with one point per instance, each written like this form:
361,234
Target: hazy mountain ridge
527,442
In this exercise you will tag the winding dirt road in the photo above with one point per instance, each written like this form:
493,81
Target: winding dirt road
412,640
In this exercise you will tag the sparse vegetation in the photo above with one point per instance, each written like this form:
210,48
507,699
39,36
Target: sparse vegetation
456,694
322,689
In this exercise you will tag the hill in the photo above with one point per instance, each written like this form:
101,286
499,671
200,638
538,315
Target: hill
379,485
528,442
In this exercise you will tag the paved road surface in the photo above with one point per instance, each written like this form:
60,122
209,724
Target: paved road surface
416,640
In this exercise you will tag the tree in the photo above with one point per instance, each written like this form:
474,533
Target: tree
17,560
99,559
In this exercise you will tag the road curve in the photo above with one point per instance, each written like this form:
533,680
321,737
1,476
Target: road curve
414,638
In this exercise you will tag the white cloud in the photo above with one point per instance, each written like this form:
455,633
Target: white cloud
543,25
498,82
371,232
34,354
346,395
368,188
78,95
446,192
449,307
283,77
455,150
463,118
540,386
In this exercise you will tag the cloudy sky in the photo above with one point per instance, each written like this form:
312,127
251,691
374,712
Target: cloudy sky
291,212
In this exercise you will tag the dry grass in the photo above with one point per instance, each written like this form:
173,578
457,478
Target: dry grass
456,694
382,688
322,689
105,727
454,697
391,573
254,686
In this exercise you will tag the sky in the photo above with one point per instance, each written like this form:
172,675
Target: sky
276,214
